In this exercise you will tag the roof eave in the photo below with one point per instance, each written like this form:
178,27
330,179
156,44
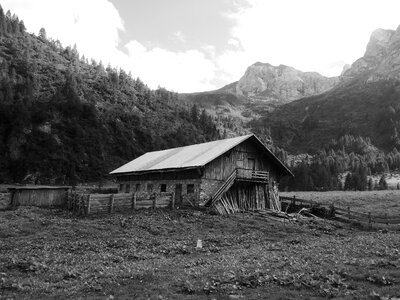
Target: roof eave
154,171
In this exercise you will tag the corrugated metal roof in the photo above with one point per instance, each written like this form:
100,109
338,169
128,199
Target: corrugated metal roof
192,156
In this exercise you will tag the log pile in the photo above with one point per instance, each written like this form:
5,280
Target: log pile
248,197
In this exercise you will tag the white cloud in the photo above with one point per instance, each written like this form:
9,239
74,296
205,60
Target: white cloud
93,25
310,35
182,71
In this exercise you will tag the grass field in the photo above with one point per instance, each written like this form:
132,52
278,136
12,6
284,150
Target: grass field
152,254
376,202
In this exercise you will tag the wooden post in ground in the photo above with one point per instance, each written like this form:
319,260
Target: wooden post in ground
154,201
111,208
134,201
369,220
173,200
74,201
88,205
12,199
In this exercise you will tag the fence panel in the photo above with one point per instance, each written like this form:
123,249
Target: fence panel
108,203
347,213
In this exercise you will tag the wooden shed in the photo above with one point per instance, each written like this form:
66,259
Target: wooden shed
230,175
38,195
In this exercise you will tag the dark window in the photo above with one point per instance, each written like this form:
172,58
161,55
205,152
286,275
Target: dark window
121,187
251,163
149,187
163,187
137,187
128,188
190,188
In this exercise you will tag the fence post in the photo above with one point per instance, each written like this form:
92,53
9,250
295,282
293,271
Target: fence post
369,220
173,200
88,205
154,200
74,206
111,208
134,201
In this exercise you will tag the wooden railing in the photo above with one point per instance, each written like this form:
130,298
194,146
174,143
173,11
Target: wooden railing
252,175
344,213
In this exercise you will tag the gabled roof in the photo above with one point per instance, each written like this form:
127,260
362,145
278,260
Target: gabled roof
188,157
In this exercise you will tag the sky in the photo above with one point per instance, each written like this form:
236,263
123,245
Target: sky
199,45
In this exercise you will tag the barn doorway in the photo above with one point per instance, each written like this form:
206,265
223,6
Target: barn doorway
178,194
252,163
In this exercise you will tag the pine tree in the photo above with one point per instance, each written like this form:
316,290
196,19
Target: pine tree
370,184
42,34
382,183
348,183
2,22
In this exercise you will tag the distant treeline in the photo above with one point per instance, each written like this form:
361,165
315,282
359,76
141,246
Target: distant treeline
355,156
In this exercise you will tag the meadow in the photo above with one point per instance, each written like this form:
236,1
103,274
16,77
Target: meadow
153,254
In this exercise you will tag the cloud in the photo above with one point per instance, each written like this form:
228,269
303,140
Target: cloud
310,35
180,71
94,25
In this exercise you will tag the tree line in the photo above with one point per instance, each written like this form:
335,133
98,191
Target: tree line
66,119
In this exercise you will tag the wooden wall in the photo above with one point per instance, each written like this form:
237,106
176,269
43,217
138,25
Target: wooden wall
39,197
239,157
187,199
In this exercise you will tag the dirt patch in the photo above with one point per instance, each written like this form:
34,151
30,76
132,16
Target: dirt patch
152,254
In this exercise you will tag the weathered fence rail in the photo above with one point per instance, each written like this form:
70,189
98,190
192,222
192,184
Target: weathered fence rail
344,213
108,203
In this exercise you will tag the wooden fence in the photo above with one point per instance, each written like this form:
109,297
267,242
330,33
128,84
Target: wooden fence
108,203
342,213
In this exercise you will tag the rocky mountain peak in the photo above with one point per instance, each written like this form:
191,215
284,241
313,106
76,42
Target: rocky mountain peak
379,42
281,83
381,59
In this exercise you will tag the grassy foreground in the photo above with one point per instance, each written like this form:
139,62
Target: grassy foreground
152,255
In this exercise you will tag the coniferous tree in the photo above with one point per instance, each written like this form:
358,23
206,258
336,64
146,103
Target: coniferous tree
42,34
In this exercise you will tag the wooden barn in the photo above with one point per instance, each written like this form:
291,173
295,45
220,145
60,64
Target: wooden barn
230,175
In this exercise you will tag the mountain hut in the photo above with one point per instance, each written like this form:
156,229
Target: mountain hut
230,175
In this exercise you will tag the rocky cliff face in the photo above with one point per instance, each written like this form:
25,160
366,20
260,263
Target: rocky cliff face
283,83
381,59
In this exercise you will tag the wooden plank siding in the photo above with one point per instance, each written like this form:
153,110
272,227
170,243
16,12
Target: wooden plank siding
39,197
238,157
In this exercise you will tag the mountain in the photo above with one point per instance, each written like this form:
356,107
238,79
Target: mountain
365,103
284,84
64,119
261,89
381,59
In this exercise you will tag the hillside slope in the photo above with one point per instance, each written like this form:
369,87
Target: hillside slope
365,103
65,119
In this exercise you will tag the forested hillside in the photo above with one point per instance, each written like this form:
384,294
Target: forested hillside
64,119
